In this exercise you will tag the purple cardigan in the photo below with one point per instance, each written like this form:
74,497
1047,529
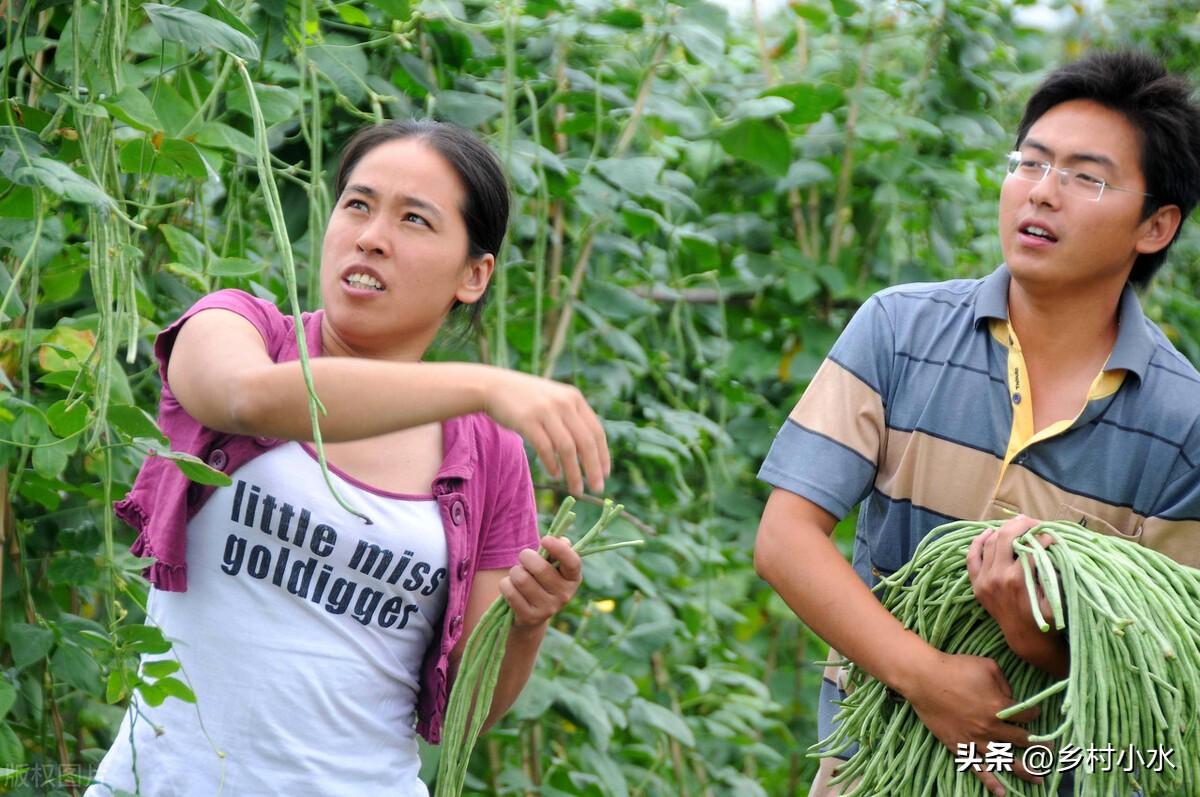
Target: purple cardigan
483,489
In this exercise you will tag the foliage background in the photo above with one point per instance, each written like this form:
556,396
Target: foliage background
701,204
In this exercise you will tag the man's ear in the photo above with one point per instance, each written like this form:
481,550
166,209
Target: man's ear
1159,229
477,272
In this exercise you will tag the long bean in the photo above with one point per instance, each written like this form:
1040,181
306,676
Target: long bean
479,670
1134,676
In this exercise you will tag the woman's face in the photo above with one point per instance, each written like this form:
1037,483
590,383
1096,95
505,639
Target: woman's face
395,258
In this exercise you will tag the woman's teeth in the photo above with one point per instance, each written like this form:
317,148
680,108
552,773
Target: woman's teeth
364,281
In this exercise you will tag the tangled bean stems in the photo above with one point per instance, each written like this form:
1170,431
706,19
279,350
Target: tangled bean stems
1134,680
471,697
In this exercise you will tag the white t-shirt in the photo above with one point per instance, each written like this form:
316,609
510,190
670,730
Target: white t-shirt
302,633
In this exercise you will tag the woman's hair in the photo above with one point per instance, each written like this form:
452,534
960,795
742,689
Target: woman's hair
485,200
1160,107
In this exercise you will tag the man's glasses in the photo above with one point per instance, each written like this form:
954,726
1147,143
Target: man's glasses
1074,182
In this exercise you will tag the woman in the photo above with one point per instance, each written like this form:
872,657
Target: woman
310,637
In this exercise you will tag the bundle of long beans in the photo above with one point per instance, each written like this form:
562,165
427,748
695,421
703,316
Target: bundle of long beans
1133,685
471,697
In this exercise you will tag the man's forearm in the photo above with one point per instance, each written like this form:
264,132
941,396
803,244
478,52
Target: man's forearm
799,560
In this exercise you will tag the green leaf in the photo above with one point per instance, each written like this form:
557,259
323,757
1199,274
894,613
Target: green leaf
200,30
345,66
877,131
29,643
844,8
277,103
160,668
12,752
704,45
353,16
635,176
626,18
660,718
466,109
763,143
234,267
642,222
761,108
396,9
185,246
699,250
810,12
62,180
173,158
143,638
586,706
172,109
173,687
222,136
195,468
809,100
413,76
701,28
801,286
135,422
802,174
117,686
218,10
151,693
131,107
73,665
67,417
50,461
8,696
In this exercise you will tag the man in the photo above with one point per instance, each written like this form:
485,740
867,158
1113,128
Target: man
1040,389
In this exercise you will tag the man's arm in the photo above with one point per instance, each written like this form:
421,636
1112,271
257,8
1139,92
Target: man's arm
956,696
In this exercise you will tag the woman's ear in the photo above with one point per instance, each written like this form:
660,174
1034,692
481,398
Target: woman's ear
475,277
1159,229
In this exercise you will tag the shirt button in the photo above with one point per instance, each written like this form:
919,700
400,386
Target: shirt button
464,567
1016,398
457,513
218,459
265,442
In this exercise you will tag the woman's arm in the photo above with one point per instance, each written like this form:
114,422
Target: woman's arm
536,591
220,372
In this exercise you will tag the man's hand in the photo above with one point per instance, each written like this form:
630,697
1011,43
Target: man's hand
958,697
998,582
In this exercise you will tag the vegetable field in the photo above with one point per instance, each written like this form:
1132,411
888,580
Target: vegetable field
702,198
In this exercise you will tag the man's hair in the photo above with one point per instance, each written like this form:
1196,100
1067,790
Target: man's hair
1159,105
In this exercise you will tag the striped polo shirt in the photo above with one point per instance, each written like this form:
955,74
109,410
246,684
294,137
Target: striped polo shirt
921,415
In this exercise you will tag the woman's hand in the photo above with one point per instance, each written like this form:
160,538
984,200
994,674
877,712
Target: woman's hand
556,420
536,589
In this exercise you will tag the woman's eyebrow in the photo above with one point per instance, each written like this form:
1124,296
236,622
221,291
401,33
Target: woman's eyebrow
403,199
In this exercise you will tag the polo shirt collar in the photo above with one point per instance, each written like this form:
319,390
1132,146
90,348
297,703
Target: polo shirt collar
1134,346
992,299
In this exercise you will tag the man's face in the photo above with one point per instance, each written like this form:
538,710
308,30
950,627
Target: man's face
1088,242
